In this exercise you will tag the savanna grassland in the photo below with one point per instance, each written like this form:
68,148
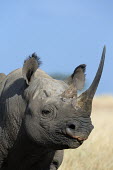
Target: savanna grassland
96,153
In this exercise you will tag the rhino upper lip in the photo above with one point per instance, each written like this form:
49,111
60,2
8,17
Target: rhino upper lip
70,134
78,140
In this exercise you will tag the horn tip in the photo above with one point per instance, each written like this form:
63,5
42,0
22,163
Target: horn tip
103,53
104,49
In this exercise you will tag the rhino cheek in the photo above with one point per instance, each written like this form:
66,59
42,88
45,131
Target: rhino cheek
32,128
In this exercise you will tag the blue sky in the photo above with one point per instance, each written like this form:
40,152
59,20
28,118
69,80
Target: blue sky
64,33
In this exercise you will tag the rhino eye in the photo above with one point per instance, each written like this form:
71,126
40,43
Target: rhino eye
46,112
49,111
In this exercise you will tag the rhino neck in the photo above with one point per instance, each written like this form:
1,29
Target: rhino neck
13,111
28,155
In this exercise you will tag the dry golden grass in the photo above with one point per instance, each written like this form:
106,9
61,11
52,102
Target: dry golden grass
97,152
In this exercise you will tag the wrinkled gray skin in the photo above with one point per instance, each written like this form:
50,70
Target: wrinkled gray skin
41,116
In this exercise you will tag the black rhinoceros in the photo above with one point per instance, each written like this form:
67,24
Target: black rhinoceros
41,116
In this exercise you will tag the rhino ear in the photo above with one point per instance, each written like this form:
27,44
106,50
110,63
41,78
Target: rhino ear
30,66
78,77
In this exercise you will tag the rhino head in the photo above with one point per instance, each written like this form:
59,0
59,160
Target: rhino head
55,116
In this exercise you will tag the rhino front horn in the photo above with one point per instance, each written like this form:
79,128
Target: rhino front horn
85,99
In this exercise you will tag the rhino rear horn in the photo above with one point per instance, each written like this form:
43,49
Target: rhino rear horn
30,66
85,99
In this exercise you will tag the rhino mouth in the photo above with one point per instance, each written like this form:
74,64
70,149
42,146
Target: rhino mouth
75,140
72,136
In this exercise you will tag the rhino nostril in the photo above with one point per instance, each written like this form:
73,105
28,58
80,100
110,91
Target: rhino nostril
71,126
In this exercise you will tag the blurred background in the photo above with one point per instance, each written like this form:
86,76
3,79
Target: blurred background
66,33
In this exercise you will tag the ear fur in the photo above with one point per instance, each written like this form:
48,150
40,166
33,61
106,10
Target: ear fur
78,77
30,66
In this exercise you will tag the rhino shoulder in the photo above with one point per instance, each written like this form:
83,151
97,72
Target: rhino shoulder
2,76
15,77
